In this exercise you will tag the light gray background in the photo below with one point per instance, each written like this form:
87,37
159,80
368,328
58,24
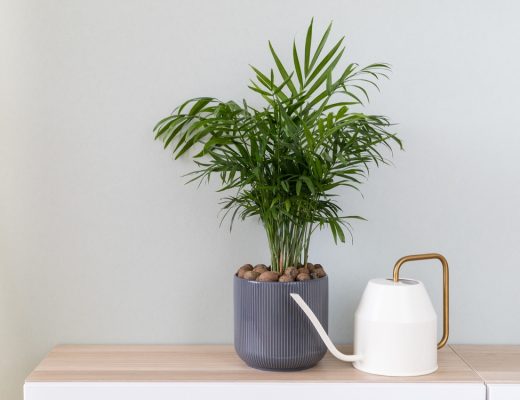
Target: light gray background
100,240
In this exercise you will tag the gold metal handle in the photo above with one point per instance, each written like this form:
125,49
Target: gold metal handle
445,291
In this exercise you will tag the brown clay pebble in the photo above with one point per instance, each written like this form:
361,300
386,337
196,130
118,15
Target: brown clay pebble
260,268
251,275
310,267
320,273
318,266
286,278
303,270
314,275
243,269
303,277
268,276
292,272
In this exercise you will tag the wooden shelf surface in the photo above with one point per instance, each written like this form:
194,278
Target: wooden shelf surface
494,364
212,363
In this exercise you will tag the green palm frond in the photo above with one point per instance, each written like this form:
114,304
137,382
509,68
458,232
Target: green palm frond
283,161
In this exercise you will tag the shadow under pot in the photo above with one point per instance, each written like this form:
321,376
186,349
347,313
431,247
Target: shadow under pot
271,331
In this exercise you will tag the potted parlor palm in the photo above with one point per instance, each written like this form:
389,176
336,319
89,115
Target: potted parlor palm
280,160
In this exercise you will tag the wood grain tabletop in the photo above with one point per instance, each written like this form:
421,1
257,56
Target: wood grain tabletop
494,363
211,363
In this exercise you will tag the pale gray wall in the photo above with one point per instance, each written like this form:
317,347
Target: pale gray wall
100,241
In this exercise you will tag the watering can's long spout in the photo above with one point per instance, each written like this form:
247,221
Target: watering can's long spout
312,317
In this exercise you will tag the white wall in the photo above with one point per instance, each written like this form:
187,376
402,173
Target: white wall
100,241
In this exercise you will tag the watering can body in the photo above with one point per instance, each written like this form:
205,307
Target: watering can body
395,331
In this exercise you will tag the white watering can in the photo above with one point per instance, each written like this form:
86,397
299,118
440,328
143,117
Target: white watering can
395,330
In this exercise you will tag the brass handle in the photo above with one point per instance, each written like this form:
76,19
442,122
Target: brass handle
445,291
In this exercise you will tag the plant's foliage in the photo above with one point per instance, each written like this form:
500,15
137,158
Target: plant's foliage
283,161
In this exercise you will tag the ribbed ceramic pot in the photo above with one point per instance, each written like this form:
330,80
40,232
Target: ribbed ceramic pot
271,331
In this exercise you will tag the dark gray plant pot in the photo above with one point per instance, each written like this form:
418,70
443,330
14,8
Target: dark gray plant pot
271,331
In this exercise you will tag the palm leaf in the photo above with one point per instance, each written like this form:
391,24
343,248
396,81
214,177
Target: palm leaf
283,161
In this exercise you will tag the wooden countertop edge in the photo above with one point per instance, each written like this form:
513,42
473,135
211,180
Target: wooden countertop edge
494,364
43,376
